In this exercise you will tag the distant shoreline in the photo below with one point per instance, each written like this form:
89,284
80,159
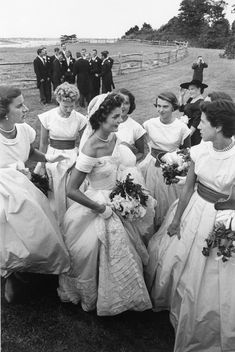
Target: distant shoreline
27,42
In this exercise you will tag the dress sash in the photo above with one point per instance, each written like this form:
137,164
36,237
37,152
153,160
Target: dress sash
62,144
209,194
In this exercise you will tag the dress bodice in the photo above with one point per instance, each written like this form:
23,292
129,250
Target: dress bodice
17,149
101,172
214,169
62,128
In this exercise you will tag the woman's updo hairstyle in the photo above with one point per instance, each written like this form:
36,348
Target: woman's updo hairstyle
220,113
111,102
126,92
170,98
66,92
7,95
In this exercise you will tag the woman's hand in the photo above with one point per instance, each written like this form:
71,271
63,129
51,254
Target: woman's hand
182,92
174,229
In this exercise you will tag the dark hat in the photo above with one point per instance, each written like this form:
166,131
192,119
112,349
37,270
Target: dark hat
194,82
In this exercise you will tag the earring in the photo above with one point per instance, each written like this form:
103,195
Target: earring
6,118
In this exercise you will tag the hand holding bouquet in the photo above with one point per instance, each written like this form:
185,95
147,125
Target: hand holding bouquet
174,165
129,199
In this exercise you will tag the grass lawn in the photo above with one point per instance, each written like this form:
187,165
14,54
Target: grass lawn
42,323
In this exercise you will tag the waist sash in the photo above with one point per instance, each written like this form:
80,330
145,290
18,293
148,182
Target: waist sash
157,154
209,194
60,144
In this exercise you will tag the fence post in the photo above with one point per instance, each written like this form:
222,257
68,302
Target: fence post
169,58
142,60
120,64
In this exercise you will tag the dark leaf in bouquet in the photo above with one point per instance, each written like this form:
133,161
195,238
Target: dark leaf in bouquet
41,182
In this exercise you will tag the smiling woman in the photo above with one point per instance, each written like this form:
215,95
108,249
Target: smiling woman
166,133
107,255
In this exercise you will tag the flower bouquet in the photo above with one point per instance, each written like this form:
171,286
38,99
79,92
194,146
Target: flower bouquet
129,199
222,236
175,164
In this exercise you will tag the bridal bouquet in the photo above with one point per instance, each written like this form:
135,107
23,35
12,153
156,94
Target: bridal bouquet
175,164
129,199
222,236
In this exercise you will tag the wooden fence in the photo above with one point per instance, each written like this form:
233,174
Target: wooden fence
22,72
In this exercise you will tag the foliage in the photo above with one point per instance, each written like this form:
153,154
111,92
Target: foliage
223,239
68,38
200,22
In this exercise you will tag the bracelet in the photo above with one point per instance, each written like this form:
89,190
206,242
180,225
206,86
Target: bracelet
107,213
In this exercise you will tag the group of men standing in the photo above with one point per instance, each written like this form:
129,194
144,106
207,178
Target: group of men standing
88,71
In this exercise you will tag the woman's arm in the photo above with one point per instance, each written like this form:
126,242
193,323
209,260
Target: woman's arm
43,139
187,192
36,155
187,142
140,145
72,190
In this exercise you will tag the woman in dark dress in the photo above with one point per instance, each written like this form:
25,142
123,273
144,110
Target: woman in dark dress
191,108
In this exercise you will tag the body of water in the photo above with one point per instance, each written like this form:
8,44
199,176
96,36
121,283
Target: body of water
27,42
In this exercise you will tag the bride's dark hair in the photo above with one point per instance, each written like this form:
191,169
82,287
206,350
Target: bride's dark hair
111,102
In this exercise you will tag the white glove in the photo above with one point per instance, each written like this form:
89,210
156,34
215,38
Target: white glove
184,119
107,213
40,169
55,158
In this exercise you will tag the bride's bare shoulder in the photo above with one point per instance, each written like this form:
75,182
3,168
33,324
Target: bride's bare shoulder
90,147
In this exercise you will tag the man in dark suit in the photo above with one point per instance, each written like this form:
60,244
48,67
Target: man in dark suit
106,73
81,71
95,70
58,70
42,69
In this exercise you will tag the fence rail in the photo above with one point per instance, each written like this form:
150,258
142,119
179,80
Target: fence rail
123,63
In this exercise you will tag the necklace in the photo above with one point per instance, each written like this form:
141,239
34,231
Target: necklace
8,131
226,148
101,139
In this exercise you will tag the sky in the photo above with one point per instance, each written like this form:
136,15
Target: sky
85,18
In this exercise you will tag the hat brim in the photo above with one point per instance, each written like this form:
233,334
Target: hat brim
187,84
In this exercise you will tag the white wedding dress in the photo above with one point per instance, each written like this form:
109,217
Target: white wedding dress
107,256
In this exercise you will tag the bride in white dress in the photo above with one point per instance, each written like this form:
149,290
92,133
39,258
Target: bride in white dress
107,254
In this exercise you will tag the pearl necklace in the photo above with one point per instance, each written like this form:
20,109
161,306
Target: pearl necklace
230,146
8,131
101,139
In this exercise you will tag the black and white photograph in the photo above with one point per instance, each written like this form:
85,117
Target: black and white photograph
117,176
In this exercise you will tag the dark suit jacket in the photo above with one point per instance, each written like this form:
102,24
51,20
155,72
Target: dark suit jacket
69,77
58,72
81,70
42,71
111,61
198,71
95,66
107,77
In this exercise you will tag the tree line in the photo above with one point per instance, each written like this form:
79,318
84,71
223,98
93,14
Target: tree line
200,22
